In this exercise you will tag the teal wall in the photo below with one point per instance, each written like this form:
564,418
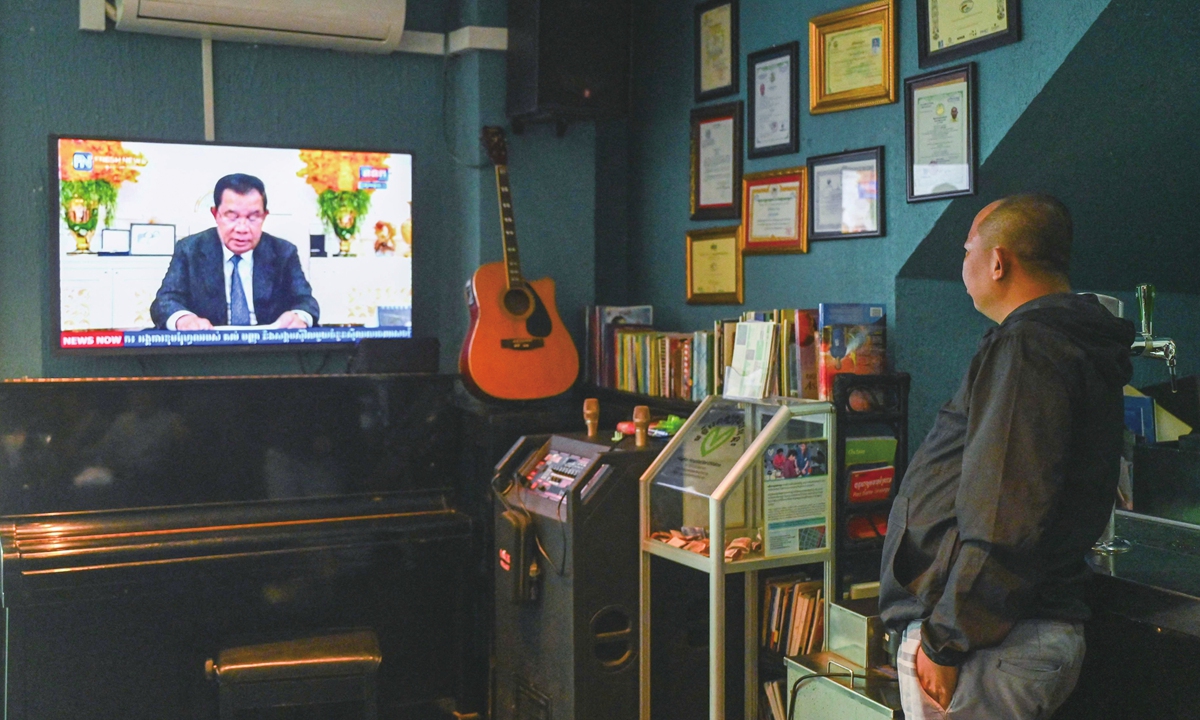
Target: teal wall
1106,136
833,271
57,79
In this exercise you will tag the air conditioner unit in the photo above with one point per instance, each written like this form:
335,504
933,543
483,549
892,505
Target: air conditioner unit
353,25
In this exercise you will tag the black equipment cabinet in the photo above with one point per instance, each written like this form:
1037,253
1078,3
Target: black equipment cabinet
867,406
566,567
489,430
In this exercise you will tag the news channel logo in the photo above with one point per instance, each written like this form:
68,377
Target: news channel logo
372,178
82,161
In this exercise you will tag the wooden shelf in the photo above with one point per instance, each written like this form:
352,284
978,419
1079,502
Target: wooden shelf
749,563
673,405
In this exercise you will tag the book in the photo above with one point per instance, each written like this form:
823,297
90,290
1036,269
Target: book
604,319
775,620
867,527
773,690
870,450
701,365
1139,417
763,618
802,619
728,332
748,373
870,484
816,639
779,628
853,340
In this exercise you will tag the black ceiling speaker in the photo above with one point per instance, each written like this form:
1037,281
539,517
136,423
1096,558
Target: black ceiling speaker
567,60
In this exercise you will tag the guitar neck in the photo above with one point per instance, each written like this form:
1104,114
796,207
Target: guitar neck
512,260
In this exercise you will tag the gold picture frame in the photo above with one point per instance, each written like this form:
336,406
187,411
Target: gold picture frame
775,212
852,58
714,266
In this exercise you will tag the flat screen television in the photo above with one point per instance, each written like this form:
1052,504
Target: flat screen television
147,257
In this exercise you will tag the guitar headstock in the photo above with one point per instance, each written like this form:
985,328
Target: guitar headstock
493,143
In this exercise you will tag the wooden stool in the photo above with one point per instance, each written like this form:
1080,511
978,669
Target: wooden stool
306,671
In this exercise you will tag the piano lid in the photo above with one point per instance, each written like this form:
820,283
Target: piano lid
76,445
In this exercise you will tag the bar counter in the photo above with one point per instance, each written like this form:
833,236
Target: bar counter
1143,642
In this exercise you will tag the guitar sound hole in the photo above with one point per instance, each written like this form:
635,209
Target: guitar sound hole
516,302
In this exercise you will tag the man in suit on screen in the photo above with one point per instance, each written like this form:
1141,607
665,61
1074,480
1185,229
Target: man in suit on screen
234,273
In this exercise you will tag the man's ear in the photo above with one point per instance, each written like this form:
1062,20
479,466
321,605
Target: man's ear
214,212
1001,263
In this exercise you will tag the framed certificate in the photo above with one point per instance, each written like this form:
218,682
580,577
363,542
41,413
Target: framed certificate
151,239
716,49
714,267
774,207
716,162
846,197
852,58
773,81
940,128
953,29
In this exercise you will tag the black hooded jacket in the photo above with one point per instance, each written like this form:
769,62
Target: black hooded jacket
1002,502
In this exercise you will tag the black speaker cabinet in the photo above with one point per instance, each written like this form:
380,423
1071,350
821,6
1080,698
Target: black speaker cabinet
567,59
567,593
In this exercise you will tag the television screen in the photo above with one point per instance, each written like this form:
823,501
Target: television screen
177,246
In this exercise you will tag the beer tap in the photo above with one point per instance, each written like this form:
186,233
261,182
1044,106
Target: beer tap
1146,345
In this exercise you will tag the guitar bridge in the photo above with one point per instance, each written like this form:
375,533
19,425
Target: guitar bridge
522,343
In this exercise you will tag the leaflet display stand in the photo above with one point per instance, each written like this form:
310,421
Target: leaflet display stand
744,486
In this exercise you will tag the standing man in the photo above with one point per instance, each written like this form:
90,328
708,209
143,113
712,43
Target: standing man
984,564
234,273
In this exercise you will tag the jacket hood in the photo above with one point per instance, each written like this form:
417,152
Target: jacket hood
1105,337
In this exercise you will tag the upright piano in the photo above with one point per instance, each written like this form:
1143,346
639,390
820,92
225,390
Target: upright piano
147,523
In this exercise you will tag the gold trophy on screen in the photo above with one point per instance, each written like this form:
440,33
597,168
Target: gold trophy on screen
89,175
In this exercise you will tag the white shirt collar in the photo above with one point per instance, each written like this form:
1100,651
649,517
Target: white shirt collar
247,258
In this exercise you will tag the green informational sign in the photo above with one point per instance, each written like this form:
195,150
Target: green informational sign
708,452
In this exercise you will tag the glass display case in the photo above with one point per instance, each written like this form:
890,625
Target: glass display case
744,486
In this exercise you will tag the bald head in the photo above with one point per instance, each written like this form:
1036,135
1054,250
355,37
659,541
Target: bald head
1037,229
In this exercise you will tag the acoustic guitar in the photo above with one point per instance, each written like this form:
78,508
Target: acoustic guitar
516,346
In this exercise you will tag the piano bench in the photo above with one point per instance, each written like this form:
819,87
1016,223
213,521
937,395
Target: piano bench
317,670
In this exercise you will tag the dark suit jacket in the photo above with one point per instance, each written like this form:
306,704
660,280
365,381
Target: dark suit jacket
195,281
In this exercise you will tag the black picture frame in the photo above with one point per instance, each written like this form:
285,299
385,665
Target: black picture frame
930,56
735,52
791,51
819,167
699,116
967,74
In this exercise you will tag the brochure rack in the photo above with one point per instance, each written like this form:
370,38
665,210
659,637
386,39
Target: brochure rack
754,470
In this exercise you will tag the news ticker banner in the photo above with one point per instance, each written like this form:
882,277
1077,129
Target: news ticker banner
93,339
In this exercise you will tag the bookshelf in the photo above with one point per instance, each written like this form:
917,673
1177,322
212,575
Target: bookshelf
714,487
627,353
872,418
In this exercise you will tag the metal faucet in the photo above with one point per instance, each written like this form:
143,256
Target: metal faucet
1146,345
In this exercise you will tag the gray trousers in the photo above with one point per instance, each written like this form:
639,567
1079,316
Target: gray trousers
1026,677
